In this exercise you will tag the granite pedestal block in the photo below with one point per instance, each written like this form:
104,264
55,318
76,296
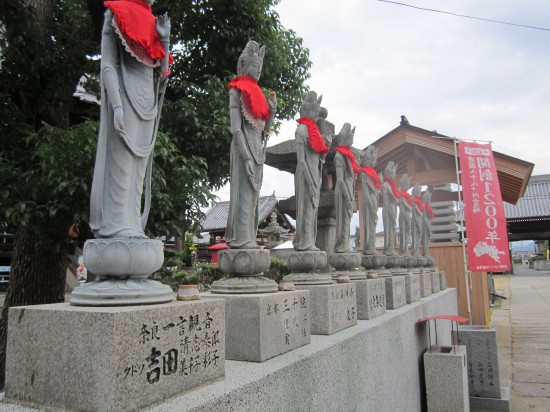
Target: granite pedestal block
112,358
442,280
412,288
371,298
446,379
396,295
425,284
435,281
333,307
483,369
261,326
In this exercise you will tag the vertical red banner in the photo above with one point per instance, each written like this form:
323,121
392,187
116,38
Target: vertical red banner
483,210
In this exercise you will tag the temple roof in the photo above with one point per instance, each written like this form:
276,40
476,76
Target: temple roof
535,203
429,158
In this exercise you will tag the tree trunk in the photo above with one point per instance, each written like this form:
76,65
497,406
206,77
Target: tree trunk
37,277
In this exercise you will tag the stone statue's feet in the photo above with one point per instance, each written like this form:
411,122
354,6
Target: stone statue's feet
129,234
308,249
248,245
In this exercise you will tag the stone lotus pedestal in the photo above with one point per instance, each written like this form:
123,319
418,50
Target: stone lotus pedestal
396,263
123,267
373,264
347,263
244,267
304,266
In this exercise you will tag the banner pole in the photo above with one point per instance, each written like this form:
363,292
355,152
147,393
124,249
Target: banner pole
462,222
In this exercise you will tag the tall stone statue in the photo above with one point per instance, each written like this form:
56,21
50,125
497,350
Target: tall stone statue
405,210
251,116
311,151
370,183
427,224
134,73
328,131
390,196
344,194
416,220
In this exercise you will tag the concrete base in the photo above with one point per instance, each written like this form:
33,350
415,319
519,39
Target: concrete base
333,307
446,379
364,375
442,280
396,295
412,288
371,298
425,284
112,358
491,404
435,281
261,326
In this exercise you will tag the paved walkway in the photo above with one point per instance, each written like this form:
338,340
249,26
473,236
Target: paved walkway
523,330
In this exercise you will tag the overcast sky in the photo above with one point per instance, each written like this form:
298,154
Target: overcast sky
375,61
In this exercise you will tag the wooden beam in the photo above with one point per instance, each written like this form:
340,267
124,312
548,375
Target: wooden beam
528,236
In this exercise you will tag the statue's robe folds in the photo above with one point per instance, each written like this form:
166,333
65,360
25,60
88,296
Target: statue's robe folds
122,162
389,216
307,184
344,198
404,226
370,213
242,221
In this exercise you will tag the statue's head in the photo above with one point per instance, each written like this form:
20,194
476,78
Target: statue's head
251,60
426,196
311,105
417,190
405,182
391,170
345,137
323,113
370,154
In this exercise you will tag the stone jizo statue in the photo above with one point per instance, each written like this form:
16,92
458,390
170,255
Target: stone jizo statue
344,194
390,197
370,183
311,151
328,131
134,73
405,210
427,223
417,220
252,116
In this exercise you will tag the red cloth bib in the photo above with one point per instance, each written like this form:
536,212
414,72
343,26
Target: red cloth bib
370,172
430,211
253,97
419,204
407,198
393,187
346,151
315,139
136,21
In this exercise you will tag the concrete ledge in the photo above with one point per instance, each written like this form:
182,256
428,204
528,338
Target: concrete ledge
374,365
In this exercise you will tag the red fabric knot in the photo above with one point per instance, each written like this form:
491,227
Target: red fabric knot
419,204
253,97
370,172
407,197
430,211
315,139
346,151
393,187
136,21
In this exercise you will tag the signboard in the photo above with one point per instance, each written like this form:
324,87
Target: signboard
483,210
